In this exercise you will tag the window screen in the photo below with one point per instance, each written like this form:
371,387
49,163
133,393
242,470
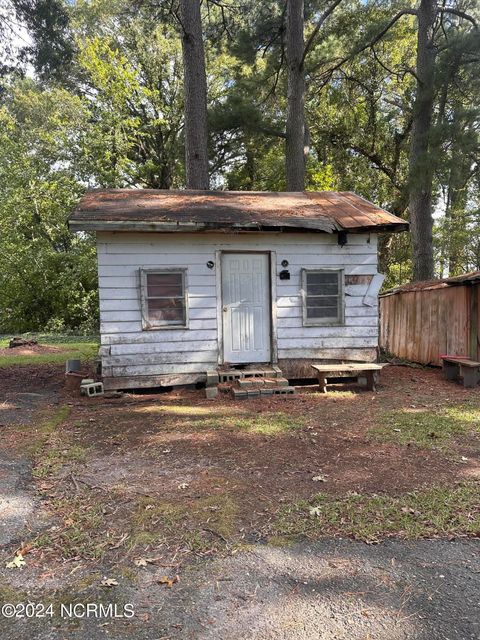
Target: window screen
163,299
322,296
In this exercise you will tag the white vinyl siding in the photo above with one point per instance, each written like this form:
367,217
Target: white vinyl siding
322,297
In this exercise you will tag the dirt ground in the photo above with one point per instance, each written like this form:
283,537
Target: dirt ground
30,350
151,488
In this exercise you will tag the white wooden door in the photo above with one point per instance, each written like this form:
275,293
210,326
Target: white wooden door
246,307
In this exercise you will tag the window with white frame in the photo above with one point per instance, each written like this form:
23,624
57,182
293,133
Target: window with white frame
323,299
164,298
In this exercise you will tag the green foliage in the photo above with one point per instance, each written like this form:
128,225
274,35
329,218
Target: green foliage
45,272
105,109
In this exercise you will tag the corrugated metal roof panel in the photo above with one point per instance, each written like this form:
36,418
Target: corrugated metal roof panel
426,285
152,209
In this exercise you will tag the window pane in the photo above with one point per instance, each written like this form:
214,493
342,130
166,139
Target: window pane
166,310
322,278
176,316
322,312
322,289
164,284
154,304
325,301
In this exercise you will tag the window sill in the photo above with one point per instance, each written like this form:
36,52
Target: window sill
321,323
164,327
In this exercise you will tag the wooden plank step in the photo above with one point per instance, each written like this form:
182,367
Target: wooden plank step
333,368
462,361
250,383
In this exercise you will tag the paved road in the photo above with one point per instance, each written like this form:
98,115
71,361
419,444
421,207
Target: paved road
334,589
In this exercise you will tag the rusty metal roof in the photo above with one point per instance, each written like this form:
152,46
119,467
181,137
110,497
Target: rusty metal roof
426,285
159,210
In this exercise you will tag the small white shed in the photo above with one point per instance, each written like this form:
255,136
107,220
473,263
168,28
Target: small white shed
190,280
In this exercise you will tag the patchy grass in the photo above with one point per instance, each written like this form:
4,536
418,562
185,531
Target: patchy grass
191,522
199,418
426,428
84,351
433,512
49,449
48,422
82,532
56,457
268,424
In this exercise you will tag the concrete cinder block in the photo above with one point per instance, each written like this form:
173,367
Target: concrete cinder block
283,391
212,378
211,392
245,383
266,392
253,393
92,390
239,394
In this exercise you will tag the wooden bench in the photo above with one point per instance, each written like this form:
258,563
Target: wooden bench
367,370
454,368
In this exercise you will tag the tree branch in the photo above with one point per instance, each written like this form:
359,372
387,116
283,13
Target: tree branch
368,45
318,26
460,14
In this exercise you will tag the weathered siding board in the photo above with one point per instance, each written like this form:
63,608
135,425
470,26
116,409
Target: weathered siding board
152,355
424,324
116,241
171,357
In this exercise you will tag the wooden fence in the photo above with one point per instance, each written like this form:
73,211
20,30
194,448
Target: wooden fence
420,325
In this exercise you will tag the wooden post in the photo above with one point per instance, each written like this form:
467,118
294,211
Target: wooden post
371,380
473,291
450,370
322,381
470,376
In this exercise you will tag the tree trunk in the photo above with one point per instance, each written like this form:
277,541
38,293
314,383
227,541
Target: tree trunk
195,83
295,143
420,162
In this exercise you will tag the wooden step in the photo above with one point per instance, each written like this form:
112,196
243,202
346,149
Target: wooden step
258,382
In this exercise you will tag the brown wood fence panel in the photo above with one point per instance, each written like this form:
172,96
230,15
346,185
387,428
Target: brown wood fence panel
421,325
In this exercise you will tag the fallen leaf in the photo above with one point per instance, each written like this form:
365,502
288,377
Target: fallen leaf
24,549
140,562
109,582
169,582
320,478
17,563
315,511
184,485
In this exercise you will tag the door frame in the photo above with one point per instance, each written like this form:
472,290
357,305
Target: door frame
272,259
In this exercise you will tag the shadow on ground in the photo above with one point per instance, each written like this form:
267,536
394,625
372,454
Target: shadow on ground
333,589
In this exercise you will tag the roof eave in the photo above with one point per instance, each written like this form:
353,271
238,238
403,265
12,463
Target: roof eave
185,227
